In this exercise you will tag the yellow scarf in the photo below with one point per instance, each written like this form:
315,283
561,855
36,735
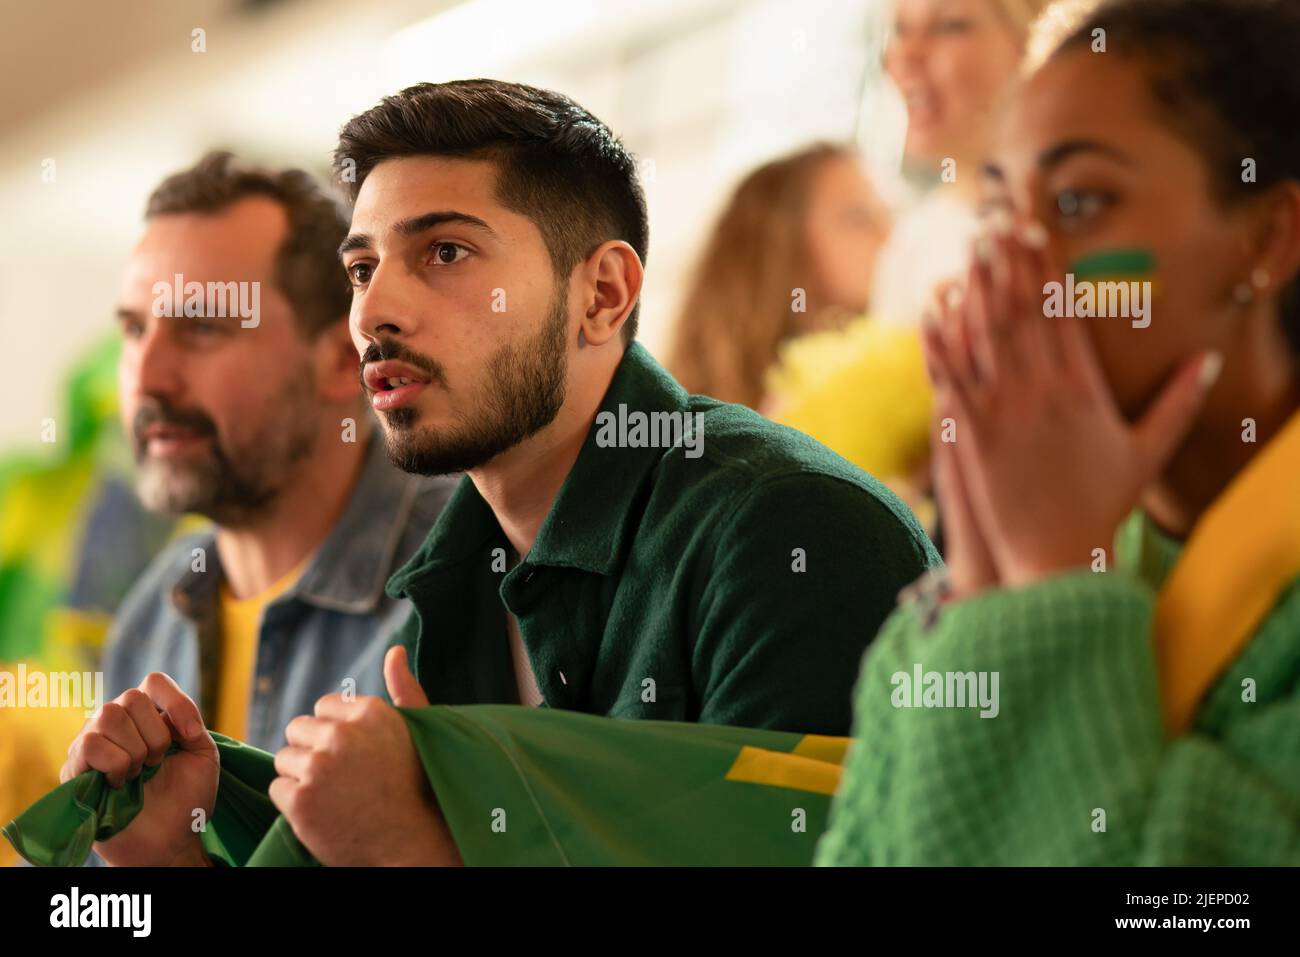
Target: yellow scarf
1241,555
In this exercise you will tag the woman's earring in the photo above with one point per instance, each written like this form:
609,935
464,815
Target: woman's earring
1244,292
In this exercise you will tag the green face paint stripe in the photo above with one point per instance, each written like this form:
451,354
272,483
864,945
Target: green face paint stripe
1114,262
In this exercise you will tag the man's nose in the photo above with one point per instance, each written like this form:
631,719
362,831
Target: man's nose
388,305
156,367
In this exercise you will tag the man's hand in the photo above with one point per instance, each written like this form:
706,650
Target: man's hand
133,731
351,783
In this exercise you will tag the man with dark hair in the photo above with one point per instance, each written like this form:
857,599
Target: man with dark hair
554,163
618,547
252,418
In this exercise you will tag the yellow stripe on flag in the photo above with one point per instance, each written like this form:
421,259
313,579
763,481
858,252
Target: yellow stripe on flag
1242,553
821,747
784,770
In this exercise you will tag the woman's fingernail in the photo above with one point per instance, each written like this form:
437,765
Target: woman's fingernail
984,249
953,297
1211,366
1001,222
1034,235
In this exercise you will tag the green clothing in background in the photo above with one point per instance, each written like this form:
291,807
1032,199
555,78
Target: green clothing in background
1076,768
735,586
521,786
73,538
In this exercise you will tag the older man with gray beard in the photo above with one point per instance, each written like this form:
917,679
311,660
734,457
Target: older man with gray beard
255,422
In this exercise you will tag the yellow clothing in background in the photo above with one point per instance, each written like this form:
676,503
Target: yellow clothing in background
862,391
33,746
240,620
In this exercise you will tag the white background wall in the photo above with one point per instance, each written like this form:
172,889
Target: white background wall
701,90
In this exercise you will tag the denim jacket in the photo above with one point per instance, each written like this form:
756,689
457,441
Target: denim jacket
331,626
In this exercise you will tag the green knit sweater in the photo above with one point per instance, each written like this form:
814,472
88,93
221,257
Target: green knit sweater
1075,768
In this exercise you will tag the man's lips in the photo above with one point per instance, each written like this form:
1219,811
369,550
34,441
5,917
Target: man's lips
170,439
392,383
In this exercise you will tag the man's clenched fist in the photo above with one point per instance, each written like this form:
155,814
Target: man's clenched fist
136,730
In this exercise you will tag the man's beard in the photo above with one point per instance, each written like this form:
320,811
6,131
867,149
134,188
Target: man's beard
523,392
228,485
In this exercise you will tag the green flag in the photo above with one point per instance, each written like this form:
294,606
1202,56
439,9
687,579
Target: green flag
522,786
58,830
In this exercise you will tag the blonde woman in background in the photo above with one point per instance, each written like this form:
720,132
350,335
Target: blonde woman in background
952,62
788,256
863,390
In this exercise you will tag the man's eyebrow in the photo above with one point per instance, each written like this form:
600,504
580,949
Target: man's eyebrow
121,313
417,224
354,241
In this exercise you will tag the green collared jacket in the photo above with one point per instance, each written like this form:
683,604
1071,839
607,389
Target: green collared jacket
733,578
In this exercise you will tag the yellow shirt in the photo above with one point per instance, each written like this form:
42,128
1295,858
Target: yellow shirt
240,619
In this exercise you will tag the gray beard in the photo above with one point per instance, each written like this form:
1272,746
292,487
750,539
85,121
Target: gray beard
234,487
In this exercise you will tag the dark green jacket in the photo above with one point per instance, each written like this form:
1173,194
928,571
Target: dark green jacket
737,586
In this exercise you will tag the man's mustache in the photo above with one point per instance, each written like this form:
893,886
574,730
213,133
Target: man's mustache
162,412
392,349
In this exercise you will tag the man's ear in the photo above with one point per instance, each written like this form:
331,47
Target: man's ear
338,367
611,283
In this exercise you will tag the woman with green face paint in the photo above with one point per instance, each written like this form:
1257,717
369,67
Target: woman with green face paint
1118,470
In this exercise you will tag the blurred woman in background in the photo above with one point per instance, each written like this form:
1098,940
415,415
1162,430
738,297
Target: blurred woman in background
952,62
791,253
863,390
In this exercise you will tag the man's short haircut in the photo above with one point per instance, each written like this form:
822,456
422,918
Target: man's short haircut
556,163
307,263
